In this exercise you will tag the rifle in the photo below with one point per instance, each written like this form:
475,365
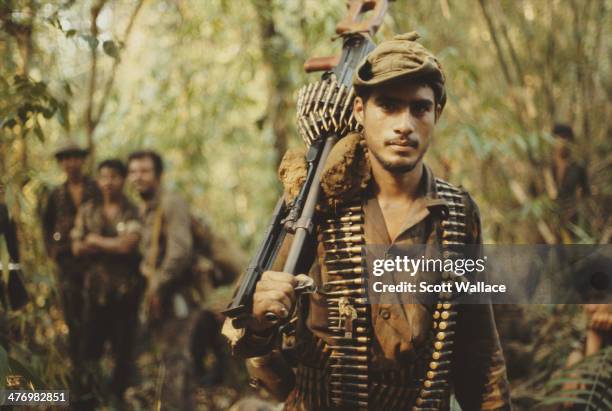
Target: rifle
324,115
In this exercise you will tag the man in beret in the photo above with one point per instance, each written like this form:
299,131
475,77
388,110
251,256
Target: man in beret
400,354
58,216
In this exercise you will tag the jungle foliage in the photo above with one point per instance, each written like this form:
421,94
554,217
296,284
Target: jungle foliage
211,85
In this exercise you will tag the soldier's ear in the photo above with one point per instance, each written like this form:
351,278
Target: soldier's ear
358,109
438,112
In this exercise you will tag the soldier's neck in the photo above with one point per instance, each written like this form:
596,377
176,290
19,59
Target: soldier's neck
396,186
75,179
150,197
111,200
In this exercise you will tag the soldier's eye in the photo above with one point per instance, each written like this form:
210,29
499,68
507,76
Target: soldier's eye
388,105
420,109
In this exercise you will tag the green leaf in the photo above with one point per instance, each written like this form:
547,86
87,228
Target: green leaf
63,115
38,132
9,122
111,49
91,40
67,88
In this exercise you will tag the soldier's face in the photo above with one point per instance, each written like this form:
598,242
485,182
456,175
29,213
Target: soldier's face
72,164
141,174
110,182
562,148
398,121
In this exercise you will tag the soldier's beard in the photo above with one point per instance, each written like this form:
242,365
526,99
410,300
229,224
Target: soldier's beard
148,194
395,168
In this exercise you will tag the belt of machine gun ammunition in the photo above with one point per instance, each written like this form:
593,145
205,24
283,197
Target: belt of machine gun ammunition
434,390
349,313
325,107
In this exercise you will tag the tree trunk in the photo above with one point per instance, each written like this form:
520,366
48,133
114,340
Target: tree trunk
274,48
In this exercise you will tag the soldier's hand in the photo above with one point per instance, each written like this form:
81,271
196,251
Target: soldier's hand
274,294
92,241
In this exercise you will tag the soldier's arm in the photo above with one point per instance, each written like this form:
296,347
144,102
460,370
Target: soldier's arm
126,242
479,368
246,342
122,244
78,233
179,242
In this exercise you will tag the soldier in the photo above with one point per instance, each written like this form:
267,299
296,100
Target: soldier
58,216
107,233
168,258
571,183
376,183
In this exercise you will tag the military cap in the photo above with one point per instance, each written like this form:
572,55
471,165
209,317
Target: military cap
69,146
401,58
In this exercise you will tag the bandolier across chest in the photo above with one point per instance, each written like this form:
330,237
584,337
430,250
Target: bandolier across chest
344,377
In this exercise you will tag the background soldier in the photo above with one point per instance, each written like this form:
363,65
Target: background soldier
168,258
58,216
379,181
107,233
570,180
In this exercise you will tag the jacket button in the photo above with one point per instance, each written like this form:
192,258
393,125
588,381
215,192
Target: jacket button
385,314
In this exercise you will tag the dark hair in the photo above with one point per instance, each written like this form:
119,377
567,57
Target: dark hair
366,92
71,153
363,92
114,164
564,131
158,163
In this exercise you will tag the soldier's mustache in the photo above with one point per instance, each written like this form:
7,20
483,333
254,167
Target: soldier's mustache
403,141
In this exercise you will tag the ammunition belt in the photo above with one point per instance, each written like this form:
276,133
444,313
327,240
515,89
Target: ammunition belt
346,382
434,392
388,390
325,107
349,313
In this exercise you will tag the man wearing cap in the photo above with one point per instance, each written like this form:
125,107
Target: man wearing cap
376,189
58,216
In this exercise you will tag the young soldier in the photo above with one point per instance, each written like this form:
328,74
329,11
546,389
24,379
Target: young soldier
377,188
58,214
107,233
168,258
